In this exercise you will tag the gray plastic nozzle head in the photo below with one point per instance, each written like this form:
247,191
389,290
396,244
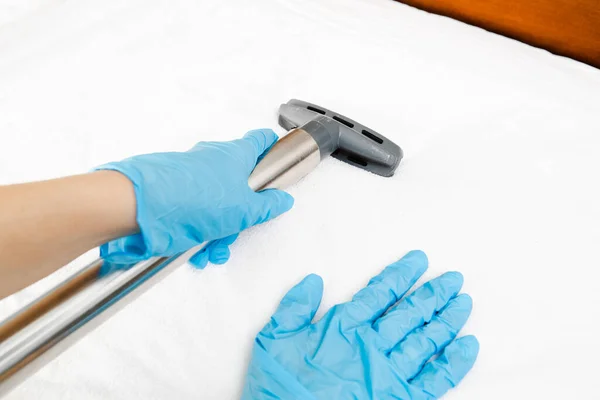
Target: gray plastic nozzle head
342,137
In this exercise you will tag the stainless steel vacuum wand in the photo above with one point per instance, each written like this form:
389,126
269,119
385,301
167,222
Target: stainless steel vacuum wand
31,336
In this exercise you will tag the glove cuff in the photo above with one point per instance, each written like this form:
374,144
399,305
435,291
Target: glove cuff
139,246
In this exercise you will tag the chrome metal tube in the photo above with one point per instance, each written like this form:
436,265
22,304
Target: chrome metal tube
293,157
47,326
41,330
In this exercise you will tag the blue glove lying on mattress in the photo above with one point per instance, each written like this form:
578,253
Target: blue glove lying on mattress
372,347
184,199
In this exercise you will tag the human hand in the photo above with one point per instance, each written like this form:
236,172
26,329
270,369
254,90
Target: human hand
187,198
373,347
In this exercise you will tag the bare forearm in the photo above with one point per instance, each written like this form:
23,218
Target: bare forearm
44,225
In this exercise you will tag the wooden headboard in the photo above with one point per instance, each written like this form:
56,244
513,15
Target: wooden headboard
566,27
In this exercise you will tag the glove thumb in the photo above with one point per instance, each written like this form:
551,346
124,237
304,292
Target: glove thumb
273,203
297,308
257,144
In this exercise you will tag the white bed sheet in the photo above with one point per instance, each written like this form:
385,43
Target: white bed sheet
500,179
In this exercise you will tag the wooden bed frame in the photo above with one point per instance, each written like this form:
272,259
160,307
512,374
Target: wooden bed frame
566,27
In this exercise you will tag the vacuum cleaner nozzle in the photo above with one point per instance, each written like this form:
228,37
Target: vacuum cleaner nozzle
342,137
315,134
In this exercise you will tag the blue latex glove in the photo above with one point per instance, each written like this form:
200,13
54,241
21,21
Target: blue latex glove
372,347
184,199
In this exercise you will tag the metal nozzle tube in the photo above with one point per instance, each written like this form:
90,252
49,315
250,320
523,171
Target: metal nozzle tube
292,158
41,330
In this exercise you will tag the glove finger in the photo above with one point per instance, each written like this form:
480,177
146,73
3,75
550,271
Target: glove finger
418,308
297,308
386,288
439,376
218,252
412,353
271,203
258,142
200,259
219,255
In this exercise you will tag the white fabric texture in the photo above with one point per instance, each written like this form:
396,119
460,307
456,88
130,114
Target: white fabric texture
499,180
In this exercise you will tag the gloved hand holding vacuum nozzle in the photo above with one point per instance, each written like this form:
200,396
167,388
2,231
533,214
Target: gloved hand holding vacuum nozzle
185,199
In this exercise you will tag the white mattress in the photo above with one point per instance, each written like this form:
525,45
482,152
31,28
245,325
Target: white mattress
500,179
